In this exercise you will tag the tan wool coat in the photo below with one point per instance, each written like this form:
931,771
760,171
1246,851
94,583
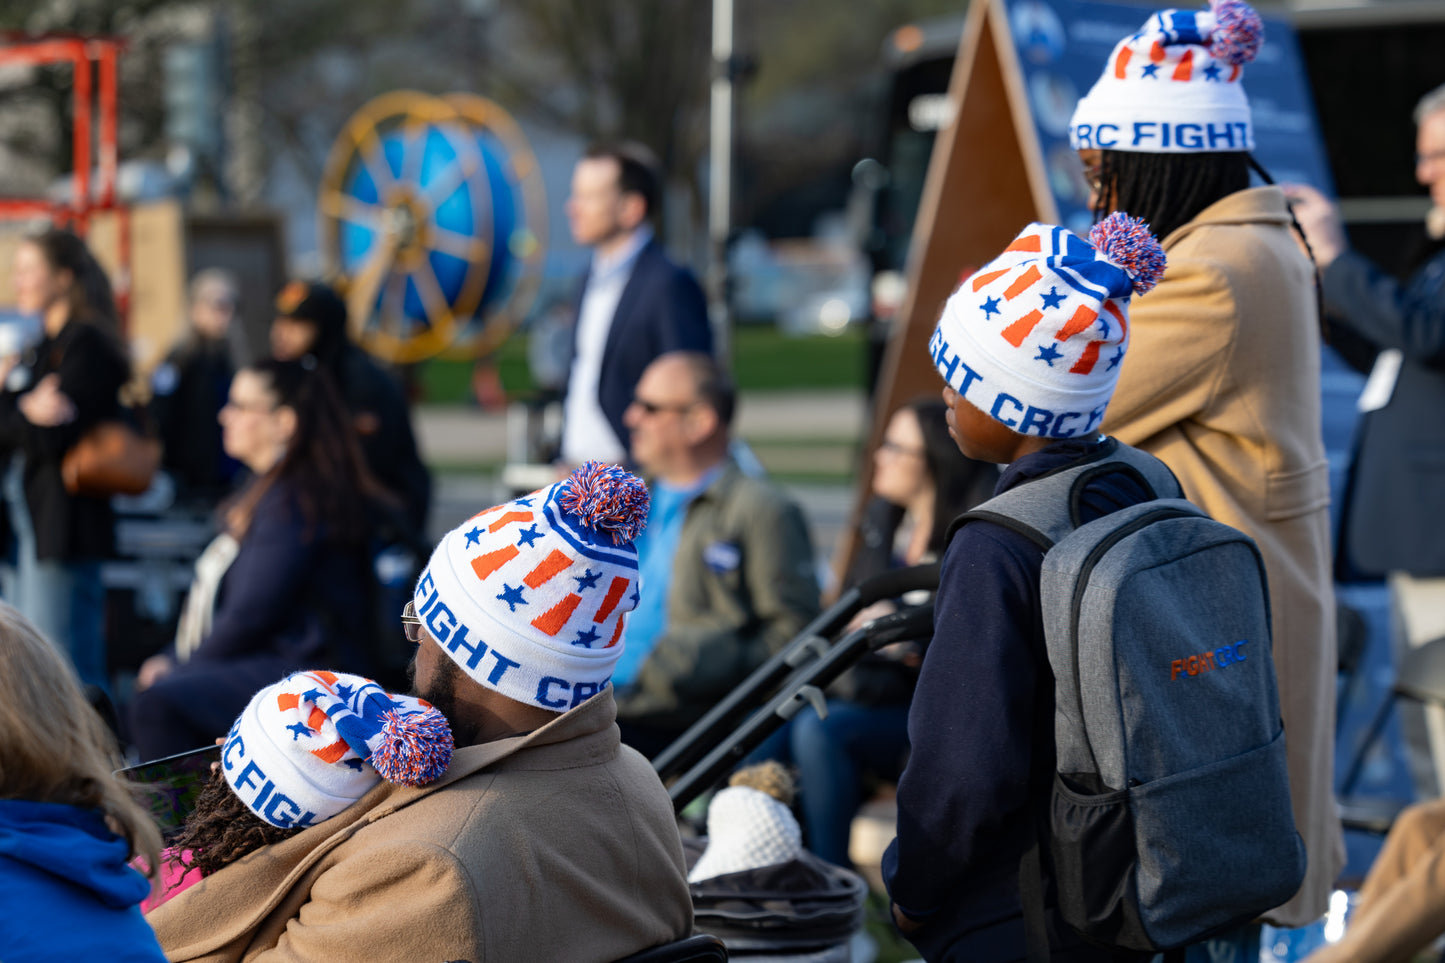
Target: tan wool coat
559,845
1222,384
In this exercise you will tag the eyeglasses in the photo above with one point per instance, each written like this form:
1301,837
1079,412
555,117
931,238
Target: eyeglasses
410,624
652,407
897,449
1094,177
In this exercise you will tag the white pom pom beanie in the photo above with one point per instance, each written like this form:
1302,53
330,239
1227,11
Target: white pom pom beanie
1174,86
312,744
1034,340
529,598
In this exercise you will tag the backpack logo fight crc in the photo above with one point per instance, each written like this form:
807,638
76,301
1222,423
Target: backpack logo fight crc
1225,655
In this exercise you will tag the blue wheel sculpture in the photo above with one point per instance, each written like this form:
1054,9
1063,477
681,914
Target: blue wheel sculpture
432,212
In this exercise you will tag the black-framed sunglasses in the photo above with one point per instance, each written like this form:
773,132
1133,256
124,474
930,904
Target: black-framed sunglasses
652,407
410,623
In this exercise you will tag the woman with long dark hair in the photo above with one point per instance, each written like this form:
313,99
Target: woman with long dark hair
920,484
1222,377
64,386
284,585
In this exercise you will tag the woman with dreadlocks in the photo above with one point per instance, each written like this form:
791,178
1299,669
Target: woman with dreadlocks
1222,377
303,750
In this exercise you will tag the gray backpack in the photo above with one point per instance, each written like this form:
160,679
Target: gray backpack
1170,814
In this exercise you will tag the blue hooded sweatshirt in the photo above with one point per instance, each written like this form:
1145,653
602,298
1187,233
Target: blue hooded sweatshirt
66,889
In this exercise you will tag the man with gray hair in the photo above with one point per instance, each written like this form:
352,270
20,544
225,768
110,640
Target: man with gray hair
1396,496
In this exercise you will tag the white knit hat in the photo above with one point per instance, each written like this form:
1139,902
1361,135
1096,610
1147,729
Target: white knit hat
1035,338
529,597
1174,87
312,744
746,829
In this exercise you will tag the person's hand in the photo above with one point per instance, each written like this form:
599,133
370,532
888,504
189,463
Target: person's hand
905,925
46,405
152,670
1320,220
875,611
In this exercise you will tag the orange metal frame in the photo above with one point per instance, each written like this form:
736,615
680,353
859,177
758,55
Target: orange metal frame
94,60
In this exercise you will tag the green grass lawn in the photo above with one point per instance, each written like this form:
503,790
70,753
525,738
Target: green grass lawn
763,360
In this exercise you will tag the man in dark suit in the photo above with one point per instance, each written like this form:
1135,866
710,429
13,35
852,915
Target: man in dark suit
1396,497
635,304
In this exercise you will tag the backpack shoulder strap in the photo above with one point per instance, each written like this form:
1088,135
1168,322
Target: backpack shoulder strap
1048,507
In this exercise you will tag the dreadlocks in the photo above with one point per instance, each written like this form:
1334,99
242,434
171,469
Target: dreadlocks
1168,190
221,829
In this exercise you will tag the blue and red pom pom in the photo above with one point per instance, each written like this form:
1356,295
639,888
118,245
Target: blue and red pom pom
1238,32
1128,242
607,498
416,747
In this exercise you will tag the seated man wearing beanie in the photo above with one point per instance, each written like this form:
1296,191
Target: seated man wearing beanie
726,557
545,838
1027,385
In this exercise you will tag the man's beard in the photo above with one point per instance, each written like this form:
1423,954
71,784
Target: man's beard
441,692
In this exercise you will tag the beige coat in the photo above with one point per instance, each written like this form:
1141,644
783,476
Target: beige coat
1222,384
556,846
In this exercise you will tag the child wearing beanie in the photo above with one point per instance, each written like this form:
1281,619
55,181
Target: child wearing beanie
749,824
1029,349
302,751
1223,378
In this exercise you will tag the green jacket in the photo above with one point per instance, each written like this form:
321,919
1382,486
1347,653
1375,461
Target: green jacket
743,584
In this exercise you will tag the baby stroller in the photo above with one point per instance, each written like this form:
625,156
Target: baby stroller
801,910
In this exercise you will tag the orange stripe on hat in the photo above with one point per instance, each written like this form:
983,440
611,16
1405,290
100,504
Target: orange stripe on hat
327,678
1121,62
1025,242
614,595
287,700
1015,333
1118,314
554,620
982,279
1185,70
331,753
1088,359
550,566
1156,52
508,519
316,719
1081,321
1025,281
616,634
485,565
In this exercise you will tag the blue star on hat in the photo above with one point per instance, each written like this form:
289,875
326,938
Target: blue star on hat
528,535
474,537
1053,299
1212,72
588,579
586,638
990,307
1150,70
524,502
1048,353
512,596
299,729
1114,361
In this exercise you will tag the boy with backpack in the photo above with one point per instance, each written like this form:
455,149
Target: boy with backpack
1025,813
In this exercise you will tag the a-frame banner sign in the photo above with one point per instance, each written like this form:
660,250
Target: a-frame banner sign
1005,159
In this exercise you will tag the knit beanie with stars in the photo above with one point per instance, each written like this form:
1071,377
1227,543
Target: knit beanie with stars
529,598
1035,338
1174,86
312,744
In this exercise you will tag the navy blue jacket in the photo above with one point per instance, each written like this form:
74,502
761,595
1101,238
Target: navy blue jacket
982,730
1396,495
662,309
66,890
